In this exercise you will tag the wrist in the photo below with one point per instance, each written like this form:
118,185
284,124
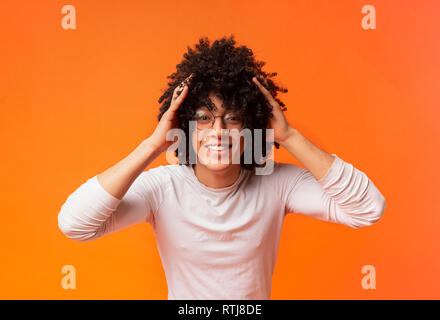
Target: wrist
149,145
289,136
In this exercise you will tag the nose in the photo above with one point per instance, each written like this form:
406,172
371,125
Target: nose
218,125
216,130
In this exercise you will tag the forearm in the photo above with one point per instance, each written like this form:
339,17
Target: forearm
341,194
117,179
95,208
317,161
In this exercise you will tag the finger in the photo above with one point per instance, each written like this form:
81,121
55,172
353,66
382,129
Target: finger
179,95
265,92
262,80
260,86
185,82
188,79
178,99
178,90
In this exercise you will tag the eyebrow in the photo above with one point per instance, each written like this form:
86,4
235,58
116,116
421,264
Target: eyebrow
226,110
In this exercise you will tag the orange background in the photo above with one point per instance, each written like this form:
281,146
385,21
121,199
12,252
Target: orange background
74,102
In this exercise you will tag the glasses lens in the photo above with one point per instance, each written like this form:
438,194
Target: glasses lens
204,118
233,121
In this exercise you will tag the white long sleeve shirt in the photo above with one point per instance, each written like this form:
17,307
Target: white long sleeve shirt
221,243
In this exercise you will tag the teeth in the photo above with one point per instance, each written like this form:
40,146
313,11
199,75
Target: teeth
218,148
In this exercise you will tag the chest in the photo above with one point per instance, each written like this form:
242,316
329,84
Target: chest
237,226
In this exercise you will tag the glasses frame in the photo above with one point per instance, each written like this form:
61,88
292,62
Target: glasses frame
213,121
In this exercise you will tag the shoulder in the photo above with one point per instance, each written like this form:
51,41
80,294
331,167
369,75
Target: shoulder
164,172
157,174
279,170
284,167
172,169
280,177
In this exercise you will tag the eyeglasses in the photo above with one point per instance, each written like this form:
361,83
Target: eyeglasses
205,119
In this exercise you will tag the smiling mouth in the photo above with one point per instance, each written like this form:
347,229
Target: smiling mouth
214,147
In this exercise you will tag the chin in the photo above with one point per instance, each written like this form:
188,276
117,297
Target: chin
217,167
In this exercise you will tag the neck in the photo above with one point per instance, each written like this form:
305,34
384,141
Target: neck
217,179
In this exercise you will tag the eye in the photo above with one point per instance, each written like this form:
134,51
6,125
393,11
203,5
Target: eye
199,113
233,117
202,115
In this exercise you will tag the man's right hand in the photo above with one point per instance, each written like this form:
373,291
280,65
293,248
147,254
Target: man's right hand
169,118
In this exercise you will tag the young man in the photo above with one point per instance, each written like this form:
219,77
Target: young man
217,223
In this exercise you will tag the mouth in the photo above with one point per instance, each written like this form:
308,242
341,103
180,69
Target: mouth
218,147
218,150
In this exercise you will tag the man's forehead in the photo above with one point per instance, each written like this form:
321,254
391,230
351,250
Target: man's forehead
217,101
215,105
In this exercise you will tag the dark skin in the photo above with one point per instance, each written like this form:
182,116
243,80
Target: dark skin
118,178
313,158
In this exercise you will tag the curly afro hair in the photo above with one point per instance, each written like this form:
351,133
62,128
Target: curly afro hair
227,71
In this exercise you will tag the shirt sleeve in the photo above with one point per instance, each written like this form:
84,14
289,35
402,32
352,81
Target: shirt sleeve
345,195
91,212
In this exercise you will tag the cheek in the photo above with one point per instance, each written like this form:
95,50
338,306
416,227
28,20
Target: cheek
196,141
239,140
195,144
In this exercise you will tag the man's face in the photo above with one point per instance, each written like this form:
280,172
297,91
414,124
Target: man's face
217,145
